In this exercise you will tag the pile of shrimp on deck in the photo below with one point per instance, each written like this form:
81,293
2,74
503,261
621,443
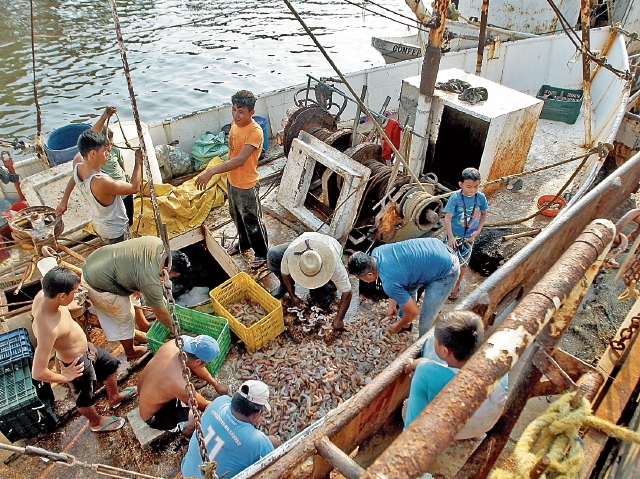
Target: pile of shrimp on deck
311,369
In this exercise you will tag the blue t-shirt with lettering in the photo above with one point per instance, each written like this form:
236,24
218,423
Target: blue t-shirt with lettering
405,266
465,211
232,443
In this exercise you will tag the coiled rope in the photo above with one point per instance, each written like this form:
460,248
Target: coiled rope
556,431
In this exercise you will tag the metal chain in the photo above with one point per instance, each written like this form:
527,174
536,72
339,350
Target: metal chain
166,256
189,387
632,272
625,335
69,460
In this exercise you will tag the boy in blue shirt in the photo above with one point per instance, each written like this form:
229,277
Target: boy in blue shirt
465,214
457,335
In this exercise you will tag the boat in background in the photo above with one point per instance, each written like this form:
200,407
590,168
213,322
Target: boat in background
507,21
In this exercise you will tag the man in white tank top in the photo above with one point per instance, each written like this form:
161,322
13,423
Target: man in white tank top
102,193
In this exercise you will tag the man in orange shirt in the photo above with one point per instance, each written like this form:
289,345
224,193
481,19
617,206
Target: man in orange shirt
245,146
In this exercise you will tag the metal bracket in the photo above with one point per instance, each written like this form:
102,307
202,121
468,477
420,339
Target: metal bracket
562,371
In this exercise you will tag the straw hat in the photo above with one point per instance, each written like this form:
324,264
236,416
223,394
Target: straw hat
312,263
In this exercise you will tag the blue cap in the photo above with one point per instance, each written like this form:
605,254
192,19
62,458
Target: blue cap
205,348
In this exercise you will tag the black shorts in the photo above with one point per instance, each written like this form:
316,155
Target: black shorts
169,416
98,366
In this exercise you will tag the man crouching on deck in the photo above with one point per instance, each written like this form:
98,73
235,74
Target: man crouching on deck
81,364
313,261
162,386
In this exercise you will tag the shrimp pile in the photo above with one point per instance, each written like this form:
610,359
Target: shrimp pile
321,371
247,311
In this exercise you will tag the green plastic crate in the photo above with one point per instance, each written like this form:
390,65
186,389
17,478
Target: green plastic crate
560,104
22,413
196,322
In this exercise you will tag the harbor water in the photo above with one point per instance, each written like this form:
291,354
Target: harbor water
183,56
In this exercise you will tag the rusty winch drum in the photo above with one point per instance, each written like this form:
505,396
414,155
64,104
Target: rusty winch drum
35,224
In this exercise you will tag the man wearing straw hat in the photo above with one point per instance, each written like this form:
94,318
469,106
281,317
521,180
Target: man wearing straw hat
313,261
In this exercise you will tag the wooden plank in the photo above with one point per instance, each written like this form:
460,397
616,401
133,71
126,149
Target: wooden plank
612,405
192,236
145,434
220,254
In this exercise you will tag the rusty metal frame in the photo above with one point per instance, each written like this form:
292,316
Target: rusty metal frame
525,268
489,299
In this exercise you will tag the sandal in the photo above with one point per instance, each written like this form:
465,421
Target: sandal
234,249
130,393
453,295
118,421
257,263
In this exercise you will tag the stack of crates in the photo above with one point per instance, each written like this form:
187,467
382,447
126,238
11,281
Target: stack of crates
22,413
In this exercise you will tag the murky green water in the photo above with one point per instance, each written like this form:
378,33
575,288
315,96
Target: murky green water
183,55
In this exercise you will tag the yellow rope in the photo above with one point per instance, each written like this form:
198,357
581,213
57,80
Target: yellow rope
555,434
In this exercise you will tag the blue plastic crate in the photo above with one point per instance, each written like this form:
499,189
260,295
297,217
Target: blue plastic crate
14,345
16,385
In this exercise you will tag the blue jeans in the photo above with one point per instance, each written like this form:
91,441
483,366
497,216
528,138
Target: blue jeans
435,294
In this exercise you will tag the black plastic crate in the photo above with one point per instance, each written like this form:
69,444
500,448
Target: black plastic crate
14,345
27,420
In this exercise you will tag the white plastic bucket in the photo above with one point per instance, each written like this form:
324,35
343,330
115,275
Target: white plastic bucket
46,264
128,156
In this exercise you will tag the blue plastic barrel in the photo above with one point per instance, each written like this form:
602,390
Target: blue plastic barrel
61,144
265,133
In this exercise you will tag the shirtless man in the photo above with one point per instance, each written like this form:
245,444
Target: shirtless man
81,364
162,386
101,192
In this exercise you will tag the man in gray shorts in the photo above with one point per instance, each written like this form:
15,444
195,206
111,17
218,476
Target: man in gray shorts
113,273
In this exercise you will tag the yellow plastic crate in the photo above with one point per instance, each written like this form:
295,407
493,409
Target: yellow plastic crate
235,290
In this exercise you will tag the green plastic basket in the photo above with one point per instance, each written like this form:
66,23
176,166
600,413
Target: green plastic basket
196,322
560,104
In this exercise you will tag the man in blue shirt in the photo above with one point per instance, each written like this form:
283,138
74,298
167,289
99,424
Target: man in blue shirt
403,268
230,434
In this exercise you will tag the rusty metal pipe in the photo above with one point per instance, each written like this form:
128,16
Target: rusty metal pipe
483,30
585,10
416,449
481,462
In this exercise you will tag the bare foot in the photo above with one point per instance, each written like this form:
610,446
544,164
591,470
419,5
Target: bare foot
138,352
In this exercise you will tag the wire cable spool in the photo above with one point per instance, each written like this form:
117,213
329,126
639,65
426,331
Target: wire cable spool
420,207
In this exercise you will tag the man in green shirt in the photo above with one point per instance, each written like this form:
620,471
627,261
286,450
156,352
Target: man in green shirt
114,272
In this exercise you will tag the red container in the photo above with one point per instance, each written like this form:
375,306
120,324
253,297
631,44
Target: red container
554,208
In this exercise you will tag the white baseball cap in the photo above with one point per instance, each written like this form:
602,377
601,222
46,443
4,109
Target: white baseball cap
255,391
